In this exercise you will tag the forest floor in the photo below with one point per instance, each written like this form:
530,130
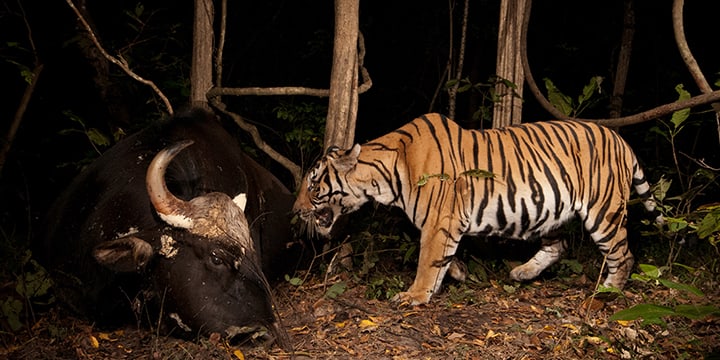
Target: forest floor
340,317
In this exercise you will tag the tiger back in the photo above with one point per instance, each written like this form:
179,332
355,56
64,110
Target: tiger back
518,182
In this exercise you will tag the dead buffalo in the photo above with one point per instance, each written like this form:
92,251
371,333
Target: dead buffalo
156,226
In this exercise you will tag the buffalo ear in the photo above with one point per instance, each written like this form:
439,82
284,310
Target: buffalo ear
126,254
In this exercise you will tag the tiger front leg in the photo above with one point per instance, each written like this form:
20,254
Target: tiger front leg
436,251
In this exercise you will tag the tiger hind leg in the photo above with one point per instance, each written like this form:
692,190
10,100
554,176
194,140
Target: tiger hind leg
618,258
550,252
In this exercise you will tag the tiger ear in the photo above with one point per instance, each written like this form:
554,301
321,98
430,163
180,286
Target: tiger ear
355,151
347,161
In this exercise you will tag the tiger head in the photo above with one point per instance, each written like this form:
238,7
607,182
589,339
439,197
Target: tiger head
329,190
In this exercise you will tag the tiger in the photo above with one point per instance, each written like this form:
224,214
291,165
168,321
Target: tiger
520,182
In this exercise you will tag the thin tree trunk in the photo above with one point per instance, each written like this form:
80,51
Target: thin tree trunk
508,108
343,103
452,92
616,101
202,61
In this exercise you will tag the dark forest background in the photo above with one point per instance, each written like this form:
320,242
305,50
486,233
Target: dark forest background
289,43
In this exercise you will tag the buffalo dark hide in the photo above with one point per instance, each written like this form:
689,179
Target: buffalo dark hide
108,200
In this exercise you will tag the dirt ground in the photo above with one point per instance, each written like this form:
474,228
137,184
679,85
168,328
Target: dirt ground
333,318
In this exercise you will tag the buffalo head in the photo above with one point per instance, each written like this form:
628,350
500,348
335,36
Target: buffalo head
159,226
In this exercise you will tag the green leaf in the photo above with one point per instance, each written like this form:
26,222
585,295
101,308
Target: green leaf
558,99
675,225
423,180
409,253
697,311
643,278
509,84
464,88
590,89
680,116
683,287
97,137
608,289
650,270
660,189
709,224
294,281
644,311
336,289
574,265
11,309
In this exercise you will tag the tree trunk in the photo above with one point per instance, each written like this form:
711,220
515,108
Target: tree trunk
508,108
616,101
343,103
202,61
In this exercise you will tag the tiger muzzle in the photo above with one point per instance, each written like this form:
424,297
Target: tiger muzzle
323,217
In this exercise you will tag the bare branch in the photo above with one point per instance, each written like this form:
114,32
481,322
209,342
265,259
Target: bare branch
294,169
534,89
688,58
659,111
651,114
267,91
19,113
119,61
27,95
367,81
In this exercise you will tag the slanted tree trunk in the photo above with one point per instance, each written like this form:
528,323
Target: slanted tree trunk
343,103
508,108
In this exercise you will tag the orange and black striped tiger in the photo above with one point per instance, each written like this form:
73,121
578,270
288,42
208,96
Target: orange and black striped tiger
518,182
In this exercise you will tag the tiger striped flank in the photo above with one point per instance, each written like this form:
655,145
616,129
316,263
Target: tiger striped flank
533,178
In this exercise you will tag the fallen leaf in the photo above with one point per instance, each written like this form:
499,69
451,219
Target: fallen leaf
592,304
377,319
94,342
367,325
301,329
455,336
436,330
594,340
214,338
238,354
624,323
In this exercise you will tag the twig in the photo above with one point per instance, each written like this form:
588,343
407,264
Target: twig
122,63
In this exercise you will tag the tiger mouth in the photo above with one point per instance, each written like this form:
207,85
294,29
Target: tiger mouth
323,217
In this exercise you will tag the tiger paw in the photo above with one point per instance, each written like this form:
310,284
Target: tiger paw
412,297
525,272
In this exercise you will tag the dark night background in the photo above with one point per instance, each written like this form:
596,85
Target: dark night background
289,43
